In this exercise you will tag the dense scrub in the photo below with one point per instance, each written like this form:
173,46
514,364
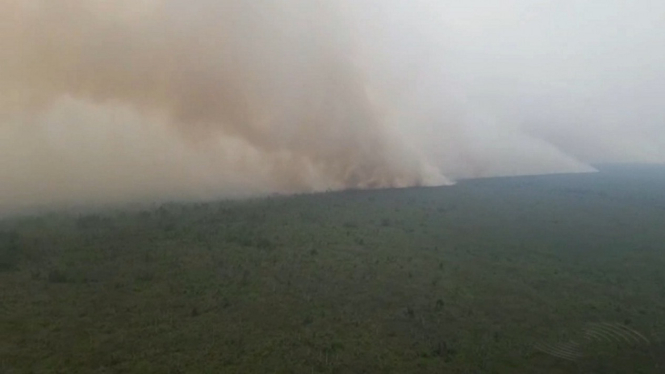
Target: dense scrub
462,279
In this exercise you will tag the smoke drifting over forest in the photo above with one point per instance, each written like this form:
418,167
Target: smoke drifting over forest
155,99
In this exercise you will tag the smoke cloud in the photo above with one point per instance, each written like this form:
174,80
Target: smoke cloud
161,99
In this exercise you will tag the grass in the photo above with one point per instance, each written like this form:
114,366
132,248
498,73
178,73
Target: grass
461,279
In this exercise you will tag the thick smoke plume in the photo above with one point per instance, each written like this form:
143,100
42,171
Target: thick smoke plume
115,101
261,86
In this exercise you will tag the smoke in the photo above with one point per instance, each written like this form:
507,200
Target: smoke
161,99
190,97
526,87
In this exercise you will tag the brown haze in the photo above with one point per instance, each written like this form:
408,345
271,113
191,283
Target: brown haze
127,99
147,100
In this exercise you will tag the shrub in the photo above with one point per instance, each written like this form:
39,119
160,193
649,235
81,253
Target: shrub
57,276
9,250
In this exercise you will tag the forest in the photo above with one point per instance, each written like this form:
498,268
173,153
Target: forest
540,274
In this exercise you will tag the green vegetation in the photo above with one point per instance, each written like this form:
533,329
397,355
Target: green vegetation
461,279
9,250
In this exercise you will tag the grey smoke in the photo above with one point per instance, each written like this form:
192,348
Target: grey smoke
115,101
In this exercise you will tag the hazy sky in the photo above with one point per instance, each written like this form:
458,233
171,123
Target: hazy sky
587,78
155,99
